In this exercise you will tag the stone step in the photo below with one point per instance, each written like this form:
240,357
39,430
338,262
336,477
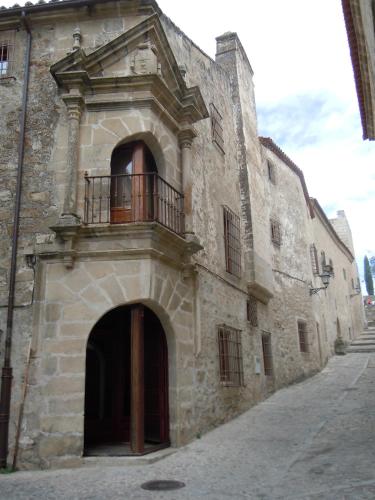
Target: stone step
360,348
104,461
362,341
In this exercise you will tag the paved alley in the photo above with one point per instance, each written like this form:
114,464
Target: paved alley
313,440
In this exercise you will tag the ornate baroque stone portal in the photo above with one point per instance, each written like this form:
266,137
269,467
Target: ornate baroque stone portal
151,79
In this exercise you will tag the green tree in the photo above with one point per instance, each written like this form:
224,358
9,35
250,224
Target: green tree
368,277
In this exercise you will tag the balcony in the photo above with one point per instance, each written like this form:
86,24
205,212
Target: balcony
133,198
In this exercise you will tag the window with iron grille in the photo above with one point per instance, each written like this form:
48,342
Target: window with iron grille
217,127
271,172
252,313
275,232
6,52
302,336
230,356
232,242
314,259
267,354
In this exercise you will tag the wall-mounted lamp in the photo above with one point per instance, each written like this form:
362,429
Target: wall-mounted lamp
325,276
30,260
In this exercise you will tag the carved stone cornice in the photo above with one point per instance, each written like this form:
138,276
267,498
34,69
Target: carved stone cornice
186,137
119,241
74,103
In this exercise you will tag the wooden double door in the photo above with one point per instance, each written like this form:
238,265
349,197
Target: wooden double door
126,393
134,184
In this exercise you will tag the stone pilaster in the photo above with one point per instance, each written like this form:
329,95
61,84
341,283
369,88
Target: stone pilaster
73,102
186,137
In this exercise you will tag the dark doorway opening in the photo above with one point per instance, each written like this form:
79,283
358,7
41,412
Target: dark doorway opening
126,392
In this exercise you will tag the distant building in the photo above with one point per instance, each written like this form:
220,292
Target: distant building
170,262
360,26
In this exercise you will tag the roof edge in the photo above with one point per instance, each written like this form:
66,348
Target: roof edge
268,143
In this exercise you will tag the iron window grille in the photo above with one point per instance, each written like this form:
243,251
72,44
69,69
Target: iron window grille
302,336
230,356
252,312
271,172
232,242
267,354
275,232
314,259
217,127
6,57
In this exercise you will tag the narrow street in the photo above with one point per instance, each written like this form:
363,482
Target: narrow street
313,440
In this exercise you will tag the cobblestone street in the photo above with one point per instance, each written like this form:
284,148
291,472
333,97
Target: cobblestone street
313,440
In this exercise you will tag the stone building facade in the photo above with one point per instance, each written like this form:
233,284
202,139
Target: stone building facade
164,273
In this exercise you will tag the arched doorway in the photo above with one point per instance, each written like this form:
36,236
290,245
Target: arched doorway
133,191
126,391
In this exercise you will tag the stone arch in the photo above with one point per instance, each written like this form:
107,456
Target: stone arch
116,333
170,338
153,145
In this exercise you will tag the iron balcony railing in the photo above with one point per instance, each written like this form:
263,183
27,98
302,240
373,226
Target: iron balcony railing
121,199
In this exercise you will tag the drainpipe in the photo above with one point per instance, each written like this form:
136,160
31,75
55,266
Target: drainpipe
6,376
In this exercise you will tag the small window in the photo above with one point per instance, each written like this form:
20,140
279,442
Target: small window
302,336
271,172
267,354
344,273
230,356
252,313
275,232
232,242
4,58
217,127
314,259
6,52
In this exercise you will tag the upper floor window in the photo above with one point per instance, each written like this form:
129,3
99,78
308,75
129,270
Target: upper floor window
230,356
302,336
251,311
5,60
232,242
314,259
271,172
344,273
217,127
267,354
275,232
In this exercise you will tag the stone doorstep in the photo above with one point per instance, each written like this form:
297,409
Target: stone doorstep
126,461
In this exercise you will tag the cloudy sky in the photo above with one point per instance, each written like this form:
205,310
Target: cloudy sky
305,94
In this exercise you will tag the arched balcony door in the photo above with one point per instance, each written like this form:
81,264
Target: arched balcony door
126,391
133,195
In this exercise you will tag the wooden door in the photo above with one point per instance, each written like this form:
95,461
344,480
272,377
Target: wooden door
128,184
156,384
